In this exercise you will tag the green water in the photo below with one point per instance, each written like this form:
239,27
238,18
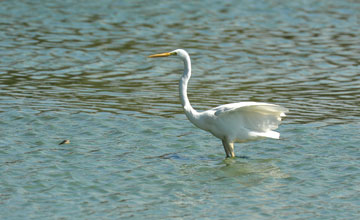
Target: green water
79,70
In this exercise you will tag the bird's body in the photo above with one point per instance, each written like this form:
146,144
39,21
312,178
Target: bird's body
236,122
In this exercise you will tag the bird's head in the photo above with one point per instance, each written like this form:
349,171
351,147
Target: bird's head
178,52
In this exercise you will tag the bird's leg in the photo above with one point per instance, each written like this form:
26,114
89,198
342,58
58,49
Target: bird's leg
229,148
225,148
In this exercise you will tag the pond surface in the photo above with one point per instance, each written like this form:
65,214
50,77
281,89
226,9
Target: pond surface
79,70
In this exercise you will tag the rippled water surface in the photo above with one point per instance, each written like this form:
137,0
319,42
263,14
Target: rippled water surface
79,70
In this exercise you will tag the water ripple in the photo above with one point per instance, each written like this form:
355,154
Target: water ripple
79,70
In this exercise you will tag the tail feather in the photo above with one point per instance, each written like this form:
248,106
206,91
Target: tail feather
268,134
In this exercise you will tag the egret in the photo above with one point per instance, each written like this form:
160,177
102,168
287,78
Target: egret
235,122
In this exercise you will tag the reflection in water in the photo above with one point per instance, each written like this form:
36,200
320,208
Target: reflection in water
251,172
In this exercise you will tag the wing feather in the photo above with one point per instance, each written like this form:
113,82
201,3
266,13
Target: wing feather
250,106
258,118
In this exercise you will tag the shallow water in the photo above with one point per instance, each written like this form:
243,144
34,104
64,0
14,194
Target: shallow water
79,70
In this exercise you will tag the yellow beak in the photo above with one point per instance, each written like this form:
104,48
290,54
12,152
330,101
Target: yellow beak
160,55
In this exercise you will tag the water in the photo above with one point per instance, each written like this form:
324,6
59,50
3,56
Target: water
79,70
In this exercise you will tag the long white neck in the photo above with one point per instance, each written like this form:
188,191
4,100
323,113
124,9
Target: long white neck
191,113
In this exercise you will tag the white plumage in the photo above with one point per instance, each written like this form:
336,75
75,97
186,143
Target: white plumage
236,122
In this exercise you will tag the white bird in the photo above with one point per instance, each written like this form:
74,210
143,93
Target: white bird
236,122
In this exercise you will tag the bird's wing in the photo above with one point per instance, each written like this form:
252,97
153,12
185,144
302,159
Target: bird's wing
255,116
264,108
